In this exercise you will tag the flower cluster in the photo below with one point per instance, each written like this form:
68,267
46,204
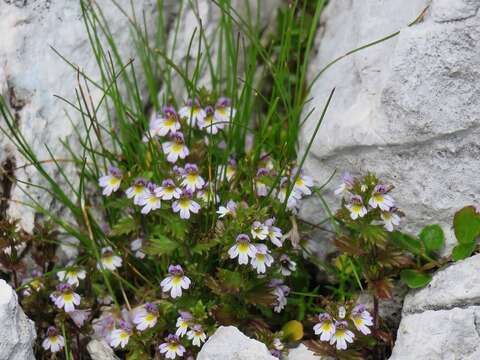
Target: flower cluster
340,330
363,197
185,182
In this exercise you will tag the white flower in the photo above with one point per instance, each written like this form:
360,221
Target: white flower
265,161
120,336
259,230
137,191
136,247
151,200
183,322
356,207
227,171
390,219
260,187
303,183
185,204
287,266
361,319
54,341
175,282
346,186
277,344
325,328
168,190
262,259
207,194
342,335
243,249
209,123
65,297
192,179
193,111
172,347
293,197
229,209
280,291
109,260
146,317
72,275
79,316
165,123
175,148
111,182
274,233
197,335
380,199
223,111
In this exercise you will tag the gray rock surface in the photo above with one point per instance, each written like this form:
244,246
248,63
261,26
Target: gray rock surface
229,343
98,349
442,320
17,332
406,108
439,335
31,74
302,353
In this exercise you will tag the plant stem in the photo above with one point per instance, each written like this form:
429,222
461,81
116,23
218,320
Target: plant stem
375,312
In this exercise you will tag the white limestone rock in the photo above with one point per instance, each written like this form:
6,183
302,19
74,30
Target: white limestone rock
98,349
17,332
301,352
442,320
406,109
229,343
457,285
31,74
439,335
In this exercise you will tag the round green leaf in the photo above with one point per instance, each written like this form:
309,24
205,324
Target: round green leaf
415,279
466,224
462,251
406,242
432,237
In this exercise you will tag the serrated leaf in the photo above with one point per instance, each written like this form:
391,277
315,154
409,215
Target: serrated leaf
232,280
415,279
125,226
203,247
466,224
161,245
432,237
462,251
406,242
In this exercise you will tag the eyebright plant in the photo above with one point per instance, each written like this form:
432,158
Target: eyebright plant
196,239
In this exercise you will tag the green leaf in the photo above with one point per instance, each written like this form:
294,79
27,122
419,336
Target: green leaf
462,251
161,245
203,247
415,279
124,226
406,242
232,280
466,224
432,237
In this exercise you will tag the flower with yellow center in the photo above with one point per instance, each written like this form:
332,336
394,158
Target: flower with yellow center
175,281
243,249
